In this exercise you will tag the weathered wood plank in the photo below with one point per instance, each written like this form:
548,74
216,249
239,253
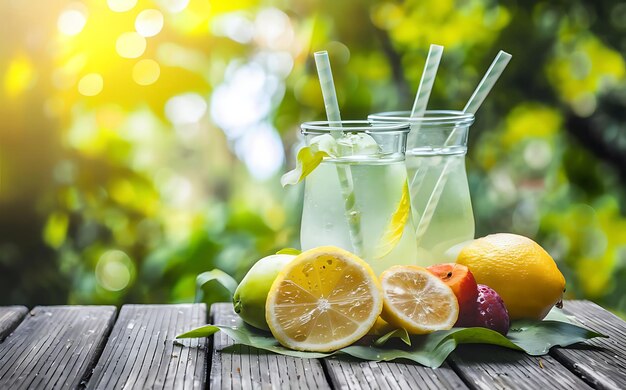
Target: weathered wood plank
250,368
54,347
346,374
489,367
10,317
142,352
603,365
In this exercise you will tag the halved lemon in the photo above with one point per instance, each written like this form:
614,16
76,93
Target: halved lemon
323,300
417,300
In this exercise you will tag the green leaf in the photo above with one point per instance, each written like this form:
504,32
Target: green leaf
307,160
537,340
289,251
532,337
396,333
216,276
203,331
393,233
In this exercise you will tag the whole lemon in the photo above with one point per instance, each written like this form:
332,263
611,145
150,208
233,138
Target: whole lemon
251,294
520,271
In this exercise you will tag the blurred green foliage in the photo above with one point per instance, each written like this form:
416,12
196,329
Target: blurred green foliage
131,163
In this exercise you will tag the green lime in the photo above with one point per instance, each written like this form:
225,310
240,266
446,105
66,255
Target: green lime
251,294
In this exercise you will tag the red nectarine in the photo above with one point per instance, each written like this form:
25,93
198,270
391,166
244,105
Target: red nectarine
460,279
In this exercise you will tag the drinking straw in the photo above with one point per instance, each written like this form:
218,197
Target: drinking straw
325,74
344,173
421,101
480,93
489,80
428,79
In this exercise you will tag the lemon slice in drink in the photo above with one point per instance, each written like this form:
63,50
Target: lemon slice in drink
323,300
417,300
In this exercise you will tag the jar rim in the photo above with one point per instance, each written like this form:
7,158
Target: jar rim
354,126
430,117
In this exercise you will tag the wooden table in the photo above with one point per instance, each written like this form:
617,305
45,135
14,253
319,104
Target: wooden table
95,347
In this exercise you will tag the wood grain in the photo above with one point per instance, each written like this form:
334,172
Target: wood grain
142,352
10,317
54,347
384,375
250,368
601,362
489,367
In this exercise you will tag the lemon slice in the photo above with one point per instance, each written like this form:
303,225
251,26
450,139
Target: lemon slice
323,300
417,300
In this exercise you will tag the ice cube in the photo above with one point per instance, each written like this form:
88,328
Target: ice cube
358,144
325,143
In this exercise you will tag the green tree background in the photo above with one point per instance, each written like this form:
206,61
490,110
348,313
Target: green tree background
138,149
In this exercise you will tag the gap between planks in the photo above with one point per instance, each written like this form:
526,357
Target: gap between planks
600,362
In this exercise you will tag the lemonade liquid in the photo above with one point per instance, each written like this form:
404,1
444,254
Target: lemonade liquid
440,200
432,172
357,197
378,187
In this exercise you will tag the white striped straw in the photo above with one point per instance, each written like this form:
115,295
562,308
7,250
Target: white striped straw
480,93
421,101
428,79
344,172
488,81
325,74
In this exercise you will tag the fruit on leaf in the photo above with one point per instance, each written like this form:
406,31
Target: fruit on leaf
490,311
417,300
250,295
325,299
460,279
520,270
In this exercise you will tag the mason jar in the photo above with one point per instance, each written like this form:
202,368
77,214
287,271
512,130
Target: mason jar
435,163
357,198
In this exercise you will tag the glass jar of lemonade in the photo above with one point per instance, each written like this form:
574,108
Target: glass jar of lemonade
439,191
357,198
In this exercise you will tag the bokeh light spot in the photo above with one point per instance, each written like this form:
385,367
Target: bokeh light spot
130,45
187,108
19,76
149,22
121,5
114,270
244,98
234,26
91,84
261,149
174,6
146,72
273,29
71,21
538,154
